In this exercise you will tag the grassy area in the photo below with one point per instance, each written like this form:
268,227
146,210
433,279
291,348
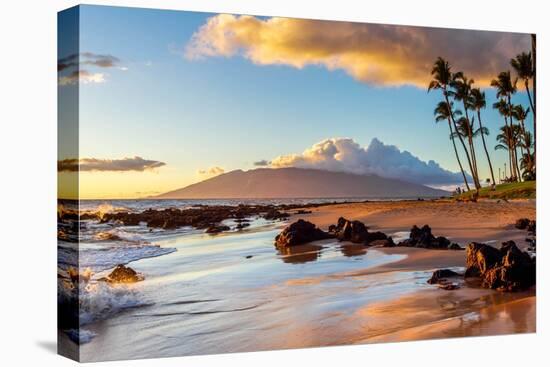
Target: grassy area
516,190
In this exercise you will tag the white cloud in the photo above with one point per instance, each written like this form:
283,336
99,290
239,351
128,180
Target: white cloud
345,155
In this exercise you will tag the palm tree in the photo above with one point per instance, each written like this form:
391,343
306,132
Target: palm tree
527,160
508,140
502,108
442,77
461,92
520,114
478,102
441,113
506,86
523,65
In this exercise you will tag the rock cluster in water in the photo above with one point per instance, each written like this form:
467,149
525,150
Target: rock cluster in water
423,238
506,269
299,233
356,232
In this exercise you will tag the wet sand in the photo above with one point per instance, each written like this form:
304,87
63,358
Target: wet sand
439,313
235,292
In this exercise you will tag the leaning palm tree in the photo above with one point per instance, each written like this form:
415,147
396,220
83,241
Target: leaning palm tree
442,77
461,87
478,102
441,113
465,129
504,111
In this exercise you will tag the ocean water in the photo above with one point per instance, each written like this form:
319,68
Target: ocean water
230,292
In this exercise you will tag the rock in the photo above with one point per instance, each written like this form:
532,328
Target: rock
506,269
217,229
301,211
522,223
242,225
300,232
480,258
275,215
248,256
423,238
376,236
441,274
388,242
123,274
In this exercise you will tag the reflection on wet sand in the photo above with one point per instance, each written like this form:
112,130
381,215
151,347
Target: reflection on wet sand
299,254
353,249
437,314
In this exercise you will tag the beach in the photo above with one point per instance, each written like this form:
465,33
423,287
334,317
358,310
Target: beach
235,292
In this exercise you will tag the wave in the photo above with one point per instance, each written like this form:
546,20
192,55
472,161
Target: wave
88,301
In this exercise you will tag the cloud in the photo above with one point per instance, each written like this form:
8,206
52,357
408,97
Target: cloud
117,165
88,58
211,172
345,155
261,163
83,77
72,71
385,55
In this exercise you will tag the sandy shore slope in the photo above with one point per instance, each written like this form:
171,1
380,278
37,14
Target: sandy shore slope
439,313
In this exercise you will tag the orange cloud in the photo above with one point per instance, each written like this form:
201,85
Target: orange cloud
385,55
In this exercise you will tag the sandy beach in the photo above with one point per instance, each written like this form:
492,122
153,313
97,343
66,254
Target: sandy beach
207,293
488,221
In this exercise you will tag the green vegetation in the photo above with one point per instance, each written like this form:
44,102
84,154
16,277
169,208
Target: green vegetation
514,190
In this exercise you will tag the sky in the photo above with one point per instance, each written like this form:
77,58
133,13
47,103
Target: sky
169,98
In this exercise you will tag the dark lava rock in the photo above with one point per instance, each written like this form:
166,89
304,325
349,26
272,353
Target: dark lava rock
507,269
217,229
455,246
522,223
302,211
298,233
242,225
441,274
388,242
356,232
353,231
480,258
377,236
275,215
123,274
423,238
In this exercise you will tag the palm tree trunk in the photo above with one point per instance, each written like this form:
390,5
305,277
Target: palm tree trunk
485,147
529,96
458,158
512,171
470,141
513,146
457,133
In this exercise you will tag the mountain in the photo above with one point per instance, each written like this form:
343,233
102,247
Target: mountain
300,183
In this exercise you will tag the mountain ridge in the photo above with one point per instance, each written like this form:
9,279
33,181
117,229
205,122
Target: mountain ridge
294,182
